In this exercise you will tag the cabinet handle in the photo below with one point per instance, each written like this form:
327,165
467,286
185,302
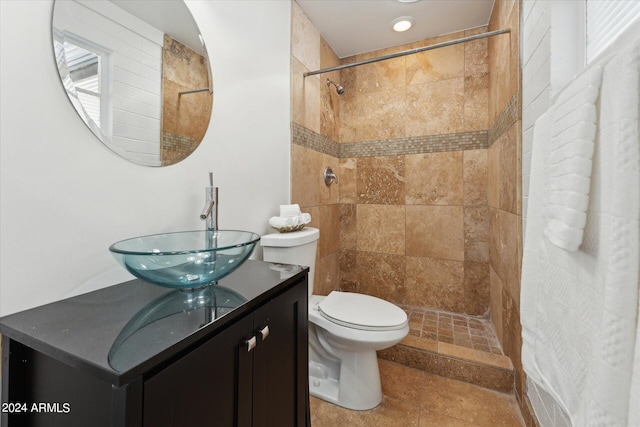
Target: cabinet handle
264,333
251,343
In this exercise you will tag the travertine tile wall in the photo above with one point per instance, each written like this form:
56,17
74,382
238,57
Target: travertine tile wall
442,91
184,118
414,224
504,185
315,114
412,227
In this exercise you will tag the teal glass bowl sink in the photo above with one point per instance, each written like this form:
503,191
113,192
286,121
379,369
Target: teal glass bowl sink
187,260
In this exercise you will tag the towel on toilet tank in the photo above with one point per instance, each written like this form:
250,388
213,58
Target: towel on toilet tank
291,218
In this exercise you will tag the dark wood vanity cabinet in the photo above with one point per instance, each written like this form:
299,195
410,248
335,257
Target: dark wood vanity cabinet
247,368
246,375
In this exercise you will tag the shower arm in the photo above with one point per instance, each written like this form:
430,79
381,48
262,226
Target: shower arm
409,52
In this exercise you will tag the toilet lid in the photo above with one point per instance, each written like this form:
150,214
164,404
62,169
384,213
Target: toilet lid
360,311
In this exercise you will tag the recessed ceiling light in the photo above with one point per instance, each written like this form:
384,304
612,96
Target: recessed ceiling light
402,23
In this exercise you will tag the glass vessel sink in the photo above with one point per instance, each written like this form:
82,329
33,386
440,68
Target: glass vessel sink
187,260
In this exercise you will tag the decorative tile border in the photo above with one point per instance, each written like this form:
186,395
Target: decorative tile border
416,145
411,145
389,147
505,120
310,139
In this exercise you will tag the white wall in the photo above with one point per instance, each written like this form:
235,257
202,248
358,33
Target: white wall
64,198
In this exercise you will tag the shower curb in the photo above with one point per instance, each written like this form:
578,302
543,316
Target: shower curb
494,372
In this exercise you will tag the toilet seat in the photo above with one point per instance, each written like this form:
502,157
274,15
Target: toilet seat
363,312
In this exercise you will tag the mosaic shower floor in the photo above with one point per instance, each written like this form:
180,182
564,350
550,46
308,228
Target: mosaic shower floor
453,328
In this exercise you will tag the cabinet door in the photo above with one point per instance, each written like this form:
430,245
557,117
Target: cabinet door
203,388
280,361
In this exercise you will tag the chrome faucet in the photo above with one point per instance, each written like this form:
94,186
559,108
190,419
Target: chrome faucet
210,210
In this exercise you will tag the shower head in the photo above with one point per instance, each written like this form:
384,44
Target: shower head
339,88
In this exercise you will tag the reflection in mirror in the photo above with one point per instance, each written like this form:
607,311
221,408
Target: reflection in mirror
137,73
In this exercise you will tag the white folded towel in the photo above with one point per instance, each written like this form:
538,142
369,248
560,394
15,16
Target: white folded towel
573,118
289,221
290,210
281,222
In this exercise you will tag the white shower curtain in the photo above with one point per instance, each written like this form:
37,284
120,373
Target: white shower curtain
579,308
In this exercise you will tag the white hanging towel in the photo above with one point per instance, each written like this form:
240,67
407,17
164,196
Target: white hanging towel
579,295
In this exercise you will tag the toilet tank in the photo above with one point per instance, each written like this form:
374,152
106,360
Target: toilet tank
296,247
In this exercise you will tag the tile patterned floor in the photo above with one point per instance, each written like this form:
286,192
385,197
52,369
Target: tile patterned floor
453,328
413,397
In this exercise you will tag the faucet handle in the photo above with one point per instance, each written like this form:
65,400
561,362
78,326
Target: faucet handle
329,176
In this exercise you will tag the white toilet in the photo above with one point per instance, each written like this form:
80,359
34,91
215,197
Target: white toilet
345,329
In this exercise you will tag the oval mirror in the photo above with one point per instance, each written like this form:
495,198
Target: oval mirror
137,73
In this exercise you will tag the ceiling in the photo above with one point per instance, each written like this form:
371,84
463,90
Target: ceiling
358,26
172,17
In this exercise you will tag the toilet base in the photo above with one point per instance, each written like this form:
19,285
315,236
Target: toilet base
357,386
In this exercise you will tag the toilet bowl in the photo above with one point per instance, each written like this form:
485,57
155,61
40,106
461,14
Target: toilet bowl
345,329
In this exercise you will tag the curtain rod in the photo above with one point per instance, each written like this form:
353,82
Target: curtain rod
409,52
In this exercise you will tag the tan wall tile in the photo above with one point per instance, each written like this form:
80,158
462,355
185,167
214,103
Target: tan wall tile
476,233
380,180
328,272
434,178
379,115
305,39
511,253
306,168
348,271
329,98
348,230
432,65
509,180
493,174
475,177
379,76
495,303
435,232
476,53
476,288
437,283
297,92
512,338
495,241
381,228
382,275
476,102
348,106
435,108
305,97
503,56
329,229
347,176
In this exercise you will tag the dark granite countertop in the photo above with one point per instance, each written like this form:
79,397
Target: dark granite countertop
148,324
